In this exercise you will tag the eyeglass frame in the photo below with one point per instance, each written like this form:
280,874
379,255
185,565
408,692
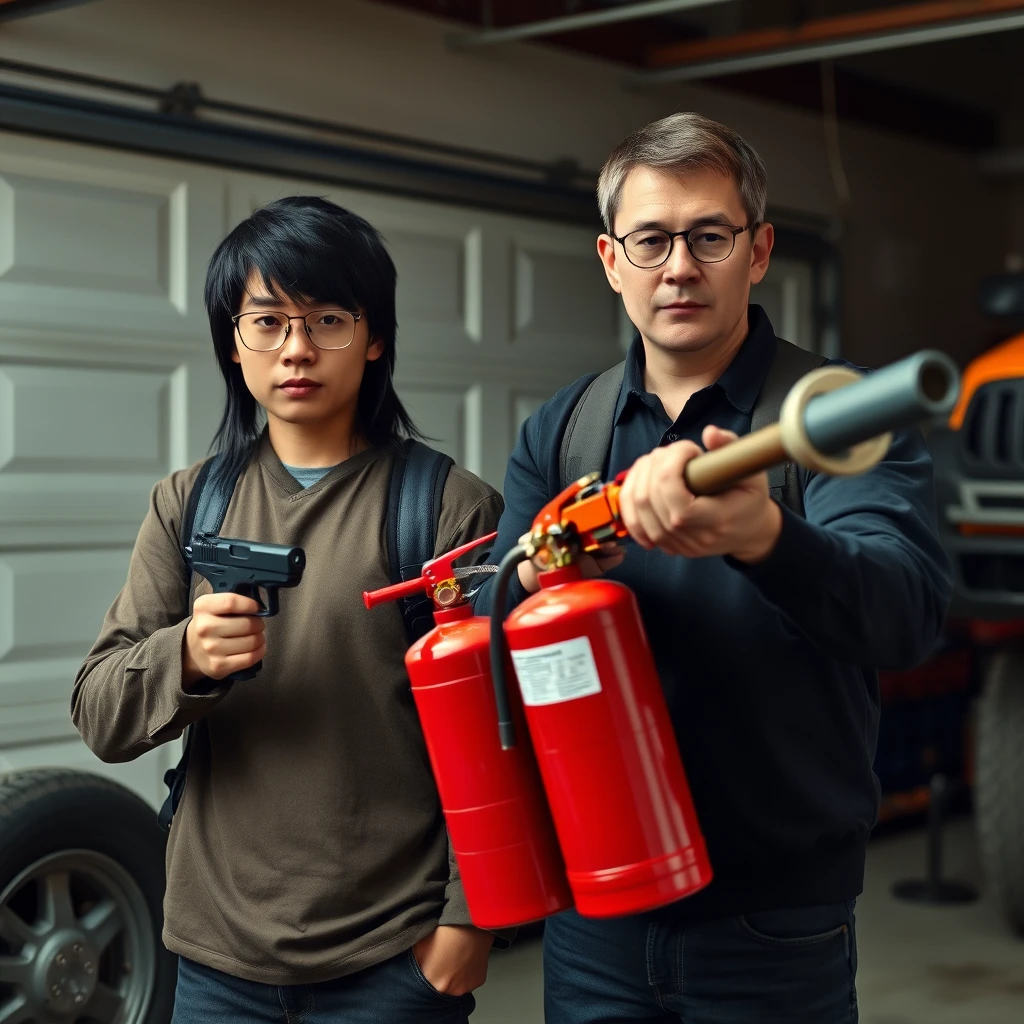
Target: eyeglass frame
356,317
685,235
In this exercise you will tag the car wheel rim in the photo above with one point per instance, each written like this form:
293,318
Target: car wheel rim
76,943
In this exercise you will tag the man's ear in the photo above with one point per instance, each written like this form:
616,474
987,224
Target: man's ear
606,251
375,349
760,251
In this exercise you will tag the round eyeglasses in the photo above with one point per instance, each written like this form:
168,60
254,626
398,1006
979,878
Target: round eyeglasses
648,248
326,328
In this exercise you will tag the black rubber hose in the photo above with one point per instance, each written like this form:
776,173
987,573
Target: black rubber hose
506,729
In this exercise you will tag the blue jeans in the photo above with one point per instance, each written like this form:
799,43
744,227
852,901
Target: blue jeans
392,992
776,967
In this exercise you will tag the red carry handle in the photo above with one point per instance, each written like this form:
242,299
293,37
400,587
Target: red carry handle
372,598
434,572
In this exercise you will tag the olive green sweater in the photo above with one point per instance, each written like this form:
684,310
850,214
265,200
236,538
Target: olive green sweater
309,842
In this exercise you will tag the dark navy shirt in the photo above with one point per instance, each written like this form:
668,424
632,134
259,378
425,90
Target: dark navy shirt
769,671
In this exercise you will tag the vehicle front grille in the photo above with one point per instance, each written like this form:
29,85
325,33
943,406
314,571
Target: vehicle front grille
992,435
993,574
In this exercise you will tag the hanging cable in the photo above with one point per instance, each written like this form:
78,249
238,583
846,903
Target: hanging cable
830,119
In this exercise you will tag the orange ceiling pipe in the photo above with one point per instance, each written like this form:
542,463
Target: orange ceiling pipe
820,30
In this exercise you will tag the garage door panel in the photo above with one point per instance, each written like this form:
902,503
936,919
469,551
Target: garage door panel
41,719
442,258
82,445
58,233
53,602
543,316
560,297
438,278
72,506
440,413
35,699
119,420
118,261
96,240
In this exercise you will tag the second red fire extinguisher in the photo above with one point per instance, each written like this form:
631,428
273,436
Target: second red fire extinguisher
498,820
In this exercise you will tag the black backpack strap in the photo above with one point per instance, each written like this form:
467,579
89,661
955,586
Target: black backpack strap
204,512
188,520
414,508
789,364
588,434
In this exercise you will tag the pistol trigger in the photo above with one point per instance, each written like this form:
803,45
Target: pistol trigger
252,590
272,605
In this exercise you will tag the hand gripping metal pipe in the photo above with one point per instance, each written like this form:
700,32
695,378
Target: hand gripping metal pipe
834,420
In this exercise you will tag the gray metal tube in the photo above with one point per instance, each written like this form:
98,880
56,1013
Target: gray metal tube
574,22
785,56
921,387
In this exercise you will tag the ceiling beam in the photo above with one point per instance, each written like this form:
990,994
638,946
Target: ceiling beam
574,22
11,9
828,38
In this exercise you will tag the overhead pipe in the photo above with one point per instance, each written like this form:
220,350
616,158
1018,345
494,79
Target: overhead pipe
186,99
828,38
573,22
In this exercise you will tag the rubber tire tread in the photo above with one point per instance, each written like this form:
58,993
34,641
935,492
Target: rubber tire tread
999,782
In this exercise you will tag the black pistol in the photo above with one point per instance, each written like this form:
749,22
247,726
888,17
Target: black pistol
247,568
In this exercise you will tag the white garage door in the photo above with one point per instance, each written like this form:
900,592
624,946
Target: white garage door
108,381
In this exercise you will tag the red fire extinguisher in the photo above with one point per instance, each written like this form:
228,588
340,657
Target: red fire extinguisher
597,717
498,820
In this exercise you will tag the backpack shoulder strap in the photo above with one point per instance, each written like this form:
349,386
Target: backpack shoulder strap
588,434
188,519
789,364
204,512
414,508
213,495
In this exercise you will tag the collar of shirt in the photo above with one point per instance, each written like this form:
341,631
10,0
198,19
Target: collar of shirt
740,382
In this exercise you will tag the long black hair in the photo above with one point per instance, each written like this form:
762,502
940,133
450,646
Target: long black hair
314,251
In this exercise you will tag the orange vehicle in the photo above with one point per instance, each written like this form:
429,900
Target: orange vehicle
979,476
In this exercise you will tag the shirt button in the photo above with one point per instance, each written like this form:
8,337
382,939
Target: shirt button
673,437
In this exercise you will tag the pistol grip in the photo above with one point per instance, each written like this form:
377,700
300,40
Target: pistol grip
253,591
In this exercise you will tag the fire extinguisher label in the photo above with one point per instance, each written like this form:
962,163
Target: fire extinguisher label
558,672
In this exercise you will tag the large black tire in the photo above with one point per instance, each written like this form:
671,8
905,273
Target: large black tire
999,783
81,892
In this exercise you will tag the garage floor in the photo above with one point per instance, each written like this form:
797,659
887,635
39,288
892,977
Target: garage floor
918,964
